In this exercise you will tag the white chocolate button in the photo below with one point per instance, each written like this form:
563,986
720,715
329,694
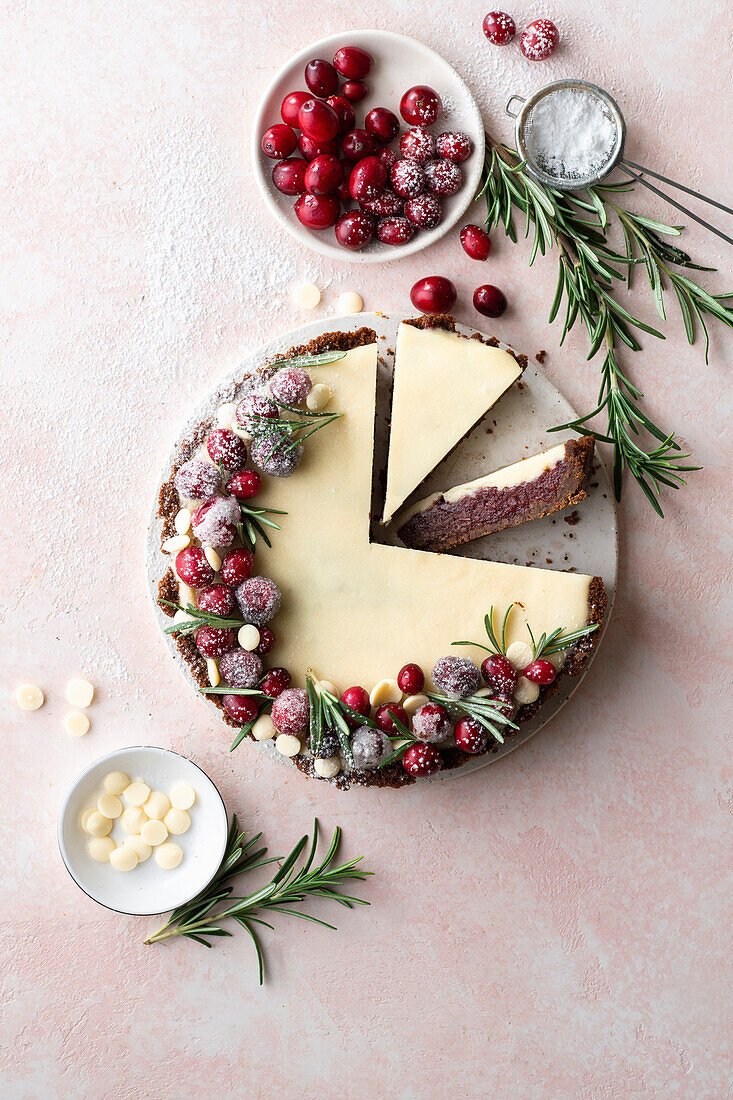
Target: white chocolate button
154,832
182,522
519,655
142,850
326,685
115,782
77,724
526,691
307,295
484,693
212,672
386,691
100,848
79,693
263,728
212,558
226,414
186,595
349,302
124,858
29,697
157,806
109,805
413,703
168,856
181,617
327,769
137,793
132,820
176,543
248,637
177,822
318,398
287,745
85,817
557,660
98,824
183,796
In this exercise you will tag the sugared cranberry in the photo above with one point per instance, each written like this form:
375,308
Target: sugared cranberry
540,672
241,669
358,144
499,27
291,385
386,206
383,123
368,179
353,62
217,599
252,409
424,211
236,566
345,112
453,145
259,599
395,231
443,177
323,175
418,144
434,294
266,642
279,141
420,105
499,674
539,40
317,211
215,641
312,149
358,699
355,90
355,229
290,106
388,157
275,682
226,447
242,708
489,300
244,485
407,178
384,719
456,677
318,121
290,711
289,176
198,479
321,77
411,679
369,748
214,522
277,457
476,242
431,723
471,737
422,760
193,568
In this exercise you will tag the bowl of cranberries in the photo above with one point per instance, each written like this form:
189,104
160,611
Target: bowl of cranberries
367,146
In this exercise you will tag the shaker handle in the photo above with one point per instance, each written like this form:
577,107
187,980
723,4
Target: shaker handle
520,99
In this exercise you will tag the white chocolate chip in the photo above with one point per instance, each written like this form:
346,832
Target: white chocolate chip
413,703
77,724
226,414
182,522
263,728
154,832
186,595
79,693
115,782
349,302
212,672
183,796
287,745
142,850
100,848
176,543
519,655
85,817
307,296
327,769
177,821
386,691
484,693
212,558
326,685
526,691
137,793
557,660
168,856
181,617
318,398
157,806
29,697
248,637
109,805
124,858
132,820
98,824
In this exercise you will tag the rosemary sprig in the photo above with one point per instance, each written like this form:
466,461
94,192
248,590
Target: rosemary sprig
404,736
482,709
201,919
328,712
321,359
553,643
263,704
198,618
254,521
292,428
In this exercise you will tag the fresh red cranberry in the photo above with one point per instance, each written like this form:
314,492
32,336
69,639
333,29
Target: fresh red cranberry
290,106
355,229
471,737
453,145
279,141
345,112
193,568
434,294
275,681
499,27
424,211
540,672
411,679
343,194
443,177
353,62
242,708
368,179
407,178
476,242
321,77
499,674
318,121
420,105
236,566
215,641
226,447
358,699
244,485
386,206
266,642
388,157
395,231
217,599
422,760
539,40
289,176
358,144
355,90
418,144
382,123
323,175
384,720
312,149
489,300
504,704
317,211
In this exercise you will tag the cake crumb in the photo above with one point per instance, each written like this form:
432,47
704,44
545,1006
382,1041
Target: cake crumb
573,518
541,356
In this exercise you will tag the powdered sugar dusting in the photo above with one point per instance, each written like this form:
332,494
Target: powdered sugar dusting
571,134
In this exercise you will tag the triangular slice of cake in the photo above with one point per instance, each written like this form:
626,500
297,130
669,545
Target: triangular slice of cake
536,486
443,384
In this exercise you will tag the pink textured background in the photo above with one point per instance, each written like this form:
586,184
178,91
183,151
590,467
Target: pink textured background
551,926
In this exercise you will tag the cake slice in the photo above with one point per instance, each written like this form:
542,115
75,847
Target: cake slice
536,486
443,384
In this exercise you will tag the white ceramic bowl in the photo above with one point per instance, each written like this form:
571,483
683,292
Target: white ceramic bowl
399,63
148,889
